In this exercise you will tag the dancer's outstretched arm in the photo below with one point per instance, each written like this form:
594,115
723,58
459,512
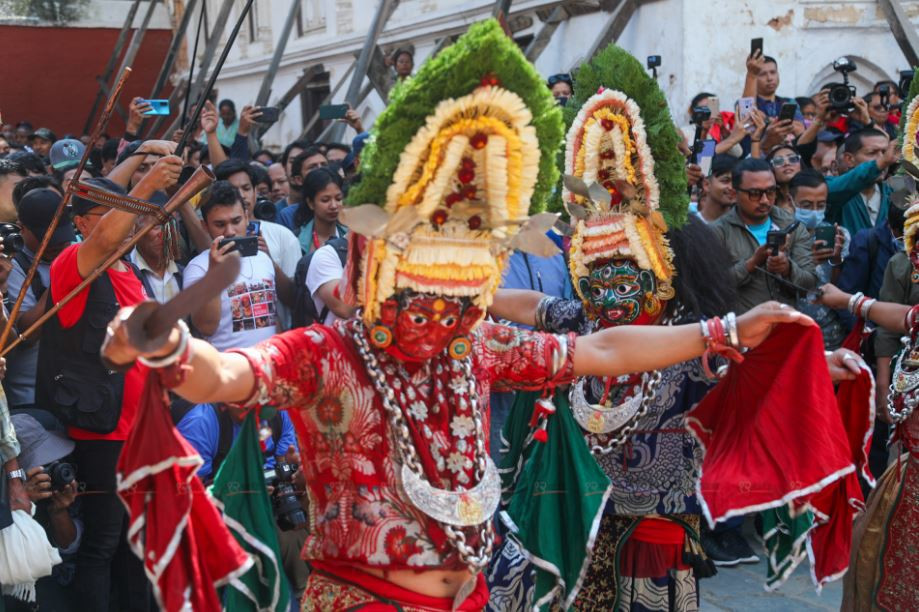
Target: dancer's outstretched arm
888,315
516,305
641,348
214,377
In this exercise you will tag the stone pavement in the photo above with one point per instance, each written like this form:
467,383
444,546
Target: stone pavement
740,588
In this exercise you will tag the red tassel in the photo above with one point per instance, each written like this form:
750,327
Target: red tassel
541,435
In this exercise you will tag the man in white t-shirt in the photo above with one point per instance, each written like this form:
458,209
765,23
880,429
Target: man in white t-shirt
247,311
284,248
322,279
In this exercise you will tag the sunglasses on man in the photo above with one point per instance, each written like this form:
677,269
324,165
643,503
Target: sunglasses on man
757,194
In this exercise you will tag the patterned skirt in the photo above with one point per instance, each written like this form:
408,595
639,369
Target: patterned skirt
511,577
884,568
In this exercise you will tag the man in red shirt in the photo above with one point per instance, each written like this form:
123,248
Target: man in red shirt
98,406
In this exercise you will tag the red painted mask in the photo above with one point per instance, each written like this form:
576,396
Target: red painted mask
423,325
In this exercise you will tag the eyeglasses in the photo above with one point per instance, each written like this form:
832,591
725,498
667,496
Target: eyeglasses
782,160
559,78
757,194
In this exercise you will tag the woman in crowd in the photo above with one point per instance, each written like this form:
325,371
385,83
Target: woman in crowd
317,218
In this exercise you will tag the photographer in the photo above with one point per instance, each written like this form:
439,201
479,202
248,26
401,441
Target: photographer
36,210
858,197
212,429
51,486
879,111
746,231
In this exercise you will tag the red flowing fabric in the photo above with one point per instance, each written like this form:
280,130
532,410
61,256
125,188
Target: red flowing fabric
855,399
830,541
771,428
853,341
174,528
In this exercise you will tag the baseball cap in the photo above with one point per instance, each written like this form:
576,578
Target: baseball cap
829,136
43,133
37,445
81,206
357,145
66,154
36,210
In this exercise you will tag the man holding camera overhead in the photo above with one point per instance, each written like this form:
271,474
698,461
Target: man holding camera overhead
771,253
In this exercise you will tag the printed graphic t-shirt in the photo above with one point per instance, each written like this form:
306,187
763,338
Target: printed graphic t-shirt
248,308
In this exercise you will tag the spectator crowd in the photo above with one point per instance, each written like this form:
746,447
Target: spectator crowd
797,197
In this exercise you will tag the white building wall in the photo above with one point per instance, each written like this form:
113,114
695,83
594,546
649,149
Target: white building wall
703,44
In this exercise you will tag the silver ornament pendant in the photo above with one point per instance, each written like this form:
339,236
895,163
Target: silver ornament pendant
599,419
458,508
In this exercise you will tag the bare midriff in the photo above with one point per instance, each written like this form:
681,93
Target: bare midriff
432,583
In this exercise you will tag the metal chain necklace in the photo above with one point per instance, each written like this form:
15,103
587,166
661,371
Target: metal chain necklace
463,508
903,386
649,386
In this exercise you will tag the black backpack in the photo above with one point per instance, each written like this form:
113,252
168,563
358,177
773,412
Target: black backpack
304,310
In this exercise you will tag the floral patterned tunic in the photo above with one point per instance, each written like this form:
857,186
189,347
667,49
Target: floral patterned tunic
359,512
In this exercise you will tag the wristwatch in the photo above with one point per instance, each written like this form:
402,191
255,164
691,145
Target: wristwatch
20,474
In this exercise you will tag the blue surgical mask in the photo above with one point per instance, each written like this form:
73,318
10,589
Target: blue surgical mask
694,208
900,243
810,218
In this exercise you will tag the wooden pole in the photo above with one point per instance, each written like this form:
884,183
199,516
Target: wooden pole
46,239
110,66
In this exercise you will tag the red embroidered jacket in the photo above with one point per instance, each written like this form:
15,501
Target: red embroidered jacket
358,510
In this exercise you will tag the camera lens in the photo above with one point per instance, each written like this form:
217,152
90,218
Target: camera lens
62,474
265,209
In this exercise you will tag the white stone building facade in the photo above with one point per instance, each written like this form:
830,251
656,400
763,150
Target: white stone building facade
703,44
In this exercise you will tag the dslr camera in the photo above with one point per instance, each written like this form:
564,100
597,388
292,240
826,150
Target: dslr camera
12,239
61,473
288,513
265,209
701,114
841,95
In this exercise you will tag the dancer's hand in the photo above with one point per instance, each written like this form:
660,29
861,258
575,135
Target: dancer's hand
755,325
834,297
844,364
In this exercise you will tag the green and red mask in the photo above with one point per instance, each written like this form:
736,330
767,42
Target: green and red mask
618,292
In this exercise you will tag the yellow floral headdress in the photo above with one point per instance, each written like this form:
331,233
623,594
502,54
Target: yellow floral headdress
458,196
612,192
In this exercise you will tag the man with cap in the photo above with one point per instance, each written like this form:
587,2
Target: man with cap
41,141
36,209
66,154
98,406
55,510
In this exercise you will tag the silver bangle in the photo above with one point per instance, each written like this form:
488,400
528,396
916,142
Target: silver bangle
733,336
853,300
866,307
541,310
705,335
171,358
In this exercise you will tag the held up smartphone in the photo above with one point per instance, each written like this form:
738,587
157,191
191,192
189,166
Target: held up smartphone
756,44
157,107
715,106
706,155
333,111
825,234
254,228
745,108
788,111
247,245
269,114
654,61
775,240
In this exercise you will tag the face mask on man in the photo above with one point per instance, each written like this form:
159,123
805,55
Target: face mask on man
809,218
